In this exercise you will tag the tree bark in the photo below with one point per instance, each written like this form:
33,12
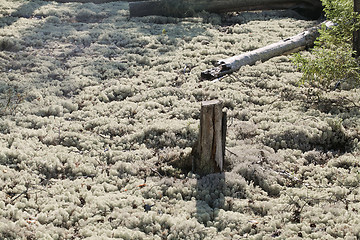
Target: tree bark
210,149
356,37
184,8
290,45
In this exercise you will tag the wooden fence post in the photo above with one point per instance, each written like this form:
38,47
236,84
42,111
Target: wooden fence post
210,149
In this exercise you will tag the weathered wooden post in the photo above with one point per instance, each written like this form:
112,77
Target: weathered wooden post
210,149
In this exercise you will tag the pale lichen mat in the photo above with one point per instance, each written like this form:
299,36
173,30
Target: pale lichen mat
99,113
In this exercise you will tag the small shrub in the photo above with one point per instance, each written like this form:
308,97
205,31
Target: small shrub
331,61
10,101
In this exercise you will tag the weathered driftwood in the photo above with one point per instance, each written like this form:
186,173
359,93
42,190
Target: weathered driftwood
210,149
183,8
289,45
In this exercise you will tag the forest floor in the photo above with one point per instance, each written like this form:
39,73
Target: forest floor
99,113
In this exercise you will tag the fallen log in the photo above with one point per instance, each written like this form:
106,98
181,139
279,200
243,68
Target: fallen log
290,45
185,8
90,1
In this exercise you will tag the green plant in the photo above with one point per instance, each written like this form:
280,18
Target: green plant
331,61
10,102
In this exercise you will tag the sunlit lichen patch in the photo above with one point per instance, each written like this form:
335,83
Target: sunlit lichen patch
99,113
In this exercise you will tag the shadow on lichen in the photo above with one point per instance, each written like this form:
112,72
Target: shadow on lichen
210,197
24,11
210,190
333,138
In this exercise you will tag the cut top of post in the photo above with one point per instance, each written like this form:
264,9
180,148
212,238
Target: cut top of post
211,102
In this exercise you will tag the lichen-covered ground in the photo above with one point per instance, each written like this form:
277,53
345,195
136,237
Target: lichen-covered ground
99,113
